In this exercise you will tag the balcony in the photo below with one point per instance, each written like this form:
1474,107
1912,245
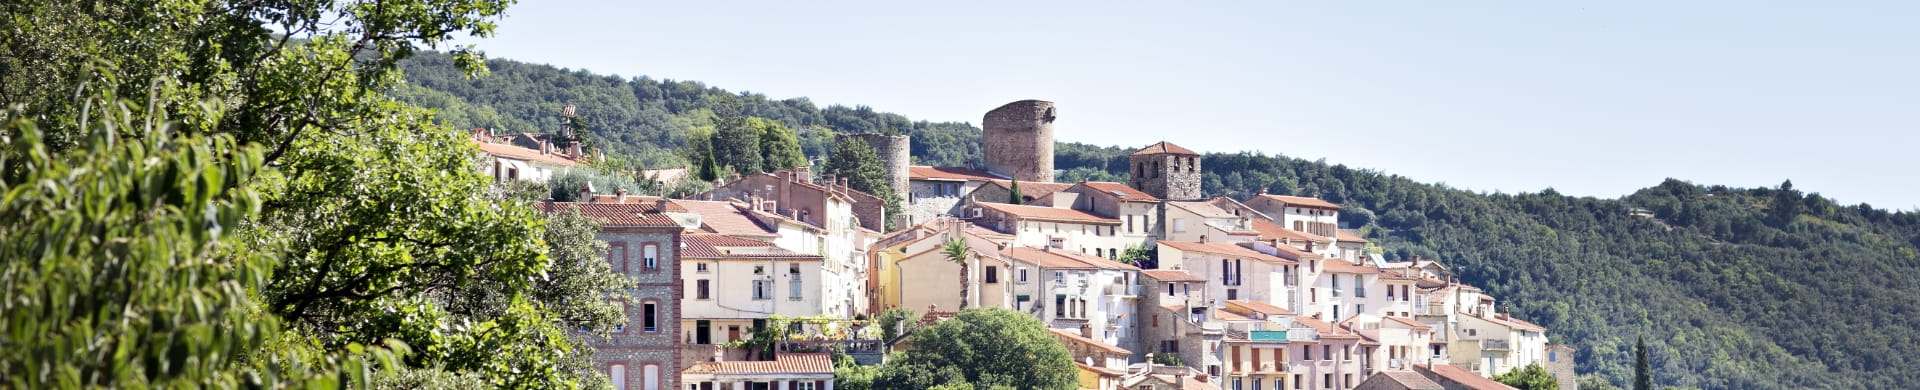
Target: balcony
1267,335
1125,291
1494,345
1273,367
1306,335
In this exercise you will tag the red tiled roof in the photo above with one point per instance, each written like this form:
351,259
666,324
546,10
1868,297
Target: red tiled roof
519,153
727,218
1221,248
601,198
1346,236
1303,201
1191,383
1113,189
616,215
1065,259
786,363
1071,336
1034,190
1407,322
1050,213
717,246
1103,371
1518,323
1273,231
1455,374
1326,329
949,173
1164,147
1406,379
1347,267
1172,275
1260,307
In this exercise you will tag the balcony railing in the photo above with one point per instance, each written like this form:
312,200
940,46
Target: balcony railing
1303,335
1292,280
1494,345
1125,291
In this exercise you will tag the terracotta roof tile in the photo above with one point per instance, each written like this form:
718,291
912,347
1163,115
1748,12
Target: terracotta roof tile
1221,248
1326,329
1273,231
1303,201
1172,275
728,218
1408,322
1455,374
1164,147
1034,190
1065,259
1407,379
1347,267
1118,190
1050,213
1347,236
1191,383
786,363
1103,371
519,153
1075,338
616,215
1260,307
716,246
949,173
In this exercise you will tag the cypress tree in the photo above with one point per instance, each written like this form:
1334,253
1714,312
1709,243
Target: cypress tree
1013,192
1642,371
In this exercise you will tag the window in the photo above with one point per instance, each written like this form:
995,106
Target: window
1326,381
1359,289
1553,356
761,289
700,267
1297,379
702,289
794,289
1326,353
1299,226
1021,276
651,321
1359,308
1313,295
993,274
1059,277
804,385
1057,243
1233,294
1156,321
617,256
1022,302
1472,332
618,374
650,377
651,254
1346,379
1179,225
1237,384
1059,304
1306,352
1169,289
1336,287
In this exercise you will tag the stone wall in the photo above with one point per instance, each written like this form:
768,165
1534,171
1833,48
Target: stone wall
635,347
1018,140
1559,363
895,153
1167,176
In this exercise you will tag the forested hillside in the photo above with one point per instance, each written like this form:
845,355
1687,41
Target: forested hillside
1763,288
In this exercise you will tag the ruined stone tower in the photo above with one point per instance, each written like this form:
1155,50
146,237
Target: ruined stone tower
894,151
1167,171
1018,141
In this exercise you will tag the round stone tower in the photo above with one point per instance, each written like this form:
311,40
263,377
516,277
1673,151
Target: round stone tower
1018,141
894,151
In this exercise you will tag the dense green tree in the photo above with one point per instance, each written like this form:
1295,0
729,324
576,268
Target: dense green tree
1531,377
864,171
380,225
565,185
983,346
122,267
1013,193
779,145
1594,382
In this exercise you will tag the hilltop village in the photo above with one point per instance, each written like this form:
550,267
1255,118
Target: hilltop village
1263,293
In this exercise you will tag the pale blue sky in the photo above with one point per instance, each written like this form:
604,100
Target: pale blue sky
1588,97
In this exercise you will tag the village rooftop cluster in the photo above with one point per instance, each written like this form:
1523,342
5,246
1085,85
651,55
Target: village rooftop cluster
1263,293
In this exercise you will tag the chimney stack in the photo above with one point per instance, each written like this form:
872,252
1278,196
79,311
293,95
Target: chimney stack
1086,331
586,193
620,195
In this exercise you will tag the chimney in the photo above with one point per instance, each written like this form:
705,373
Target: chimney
1263,191
586,193
843,183
620,195
736,176
1149,363
1203,238
1180,380
1086,331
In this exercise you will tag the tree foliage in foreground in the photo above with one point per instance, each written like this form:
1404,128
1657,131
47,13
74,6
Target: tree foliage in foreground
1531,377
376,221
122,265
985,347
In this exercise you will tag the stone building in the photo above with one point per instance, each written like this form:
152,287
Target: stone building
791,193
1559,364
935,191
643,242
1166,171
1018,140
894,152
